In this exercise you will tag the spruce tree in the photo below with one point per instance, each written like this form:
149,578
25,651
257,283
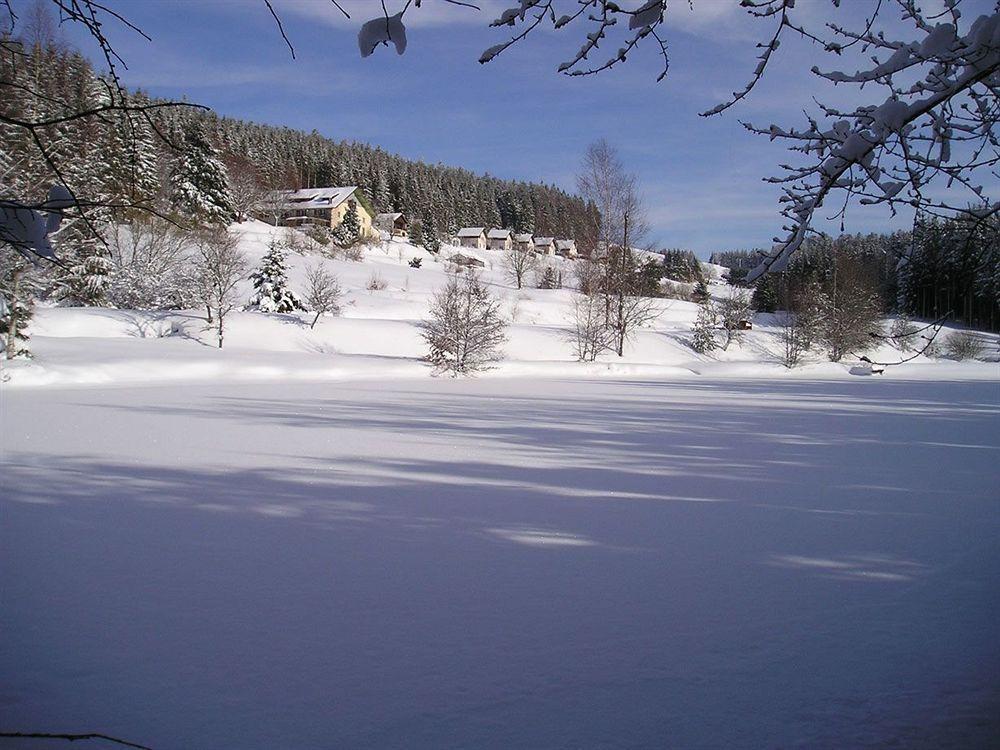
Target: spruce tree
199,185
416,233
270,283
703,332
765,294
429,237
348,232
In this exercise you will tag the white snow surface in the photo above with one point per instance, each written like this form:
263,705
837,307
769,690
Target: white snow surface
304,541
498,563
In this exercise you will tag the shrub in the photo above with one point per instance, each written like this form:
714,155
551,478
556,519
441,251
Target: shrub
415,262
963,345
376,283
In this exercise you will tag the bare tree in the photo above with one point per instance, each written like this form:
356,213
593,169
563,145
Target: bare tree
466,327
247,192
604,181
323,293
221,267
850,313
589,334
518,264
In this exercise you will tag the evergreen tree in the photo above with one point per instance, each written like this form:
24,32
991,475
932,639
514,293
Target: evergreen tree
429,237
348,232
765,294
703,332
270,283
199,184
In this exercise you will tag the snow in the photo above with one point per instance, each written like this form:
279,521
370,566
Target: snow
507,562
377,334
304,540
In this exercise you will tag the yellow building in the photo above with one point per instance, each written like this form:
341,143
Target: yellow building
322,206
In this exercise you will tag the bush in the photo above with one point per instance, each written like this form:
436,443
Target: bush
415,262
963,345
318,234
376,283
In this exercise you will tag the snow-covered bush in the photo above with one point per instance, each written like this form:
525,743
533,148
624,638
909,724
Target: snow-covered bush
733,312
548,279
270,283
963,345
703,331
376,282
151,267
466,328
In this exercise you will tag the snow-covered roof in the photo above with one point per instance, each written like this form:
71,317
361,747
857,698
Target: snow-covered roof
328,197
387,217
498,234
470,231
544,240
523,238
566,244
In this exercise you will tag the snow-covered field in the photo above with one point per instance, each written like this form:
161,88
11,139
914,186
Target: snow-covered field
304,541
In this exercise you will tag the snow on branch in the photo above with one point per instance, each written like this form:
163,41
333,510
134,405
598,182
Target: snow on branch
941,128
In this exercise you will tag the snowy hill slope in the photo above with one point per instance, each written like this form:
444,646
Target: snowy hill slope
377,334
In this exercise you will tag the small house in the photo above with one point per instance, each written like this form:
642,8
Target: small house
545,245
322,207
473,237
395,224
499,239
566,248
524,242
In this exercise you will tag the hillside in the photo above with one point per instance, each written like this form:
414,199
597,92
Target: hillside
377,335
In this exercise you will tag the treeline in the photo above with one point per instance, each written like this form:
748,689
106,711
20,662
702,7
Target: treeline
941,268
122,159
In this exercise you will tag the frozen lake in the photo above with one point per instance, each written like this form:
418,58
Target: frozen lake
504,563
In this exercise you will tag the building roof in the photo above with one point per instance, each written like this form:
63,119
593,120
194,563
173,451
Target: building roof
566,244
523,238
387,217
470,231
328,197
544,240
498,234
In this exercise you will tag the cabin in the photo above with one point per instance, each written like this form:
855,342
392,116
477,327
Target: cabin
473,237
566,248
545,245
321,207
499,239
524,242
395,224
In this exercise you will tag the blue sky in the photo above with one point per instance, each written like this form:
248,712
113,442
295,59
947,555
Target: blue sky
514,118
